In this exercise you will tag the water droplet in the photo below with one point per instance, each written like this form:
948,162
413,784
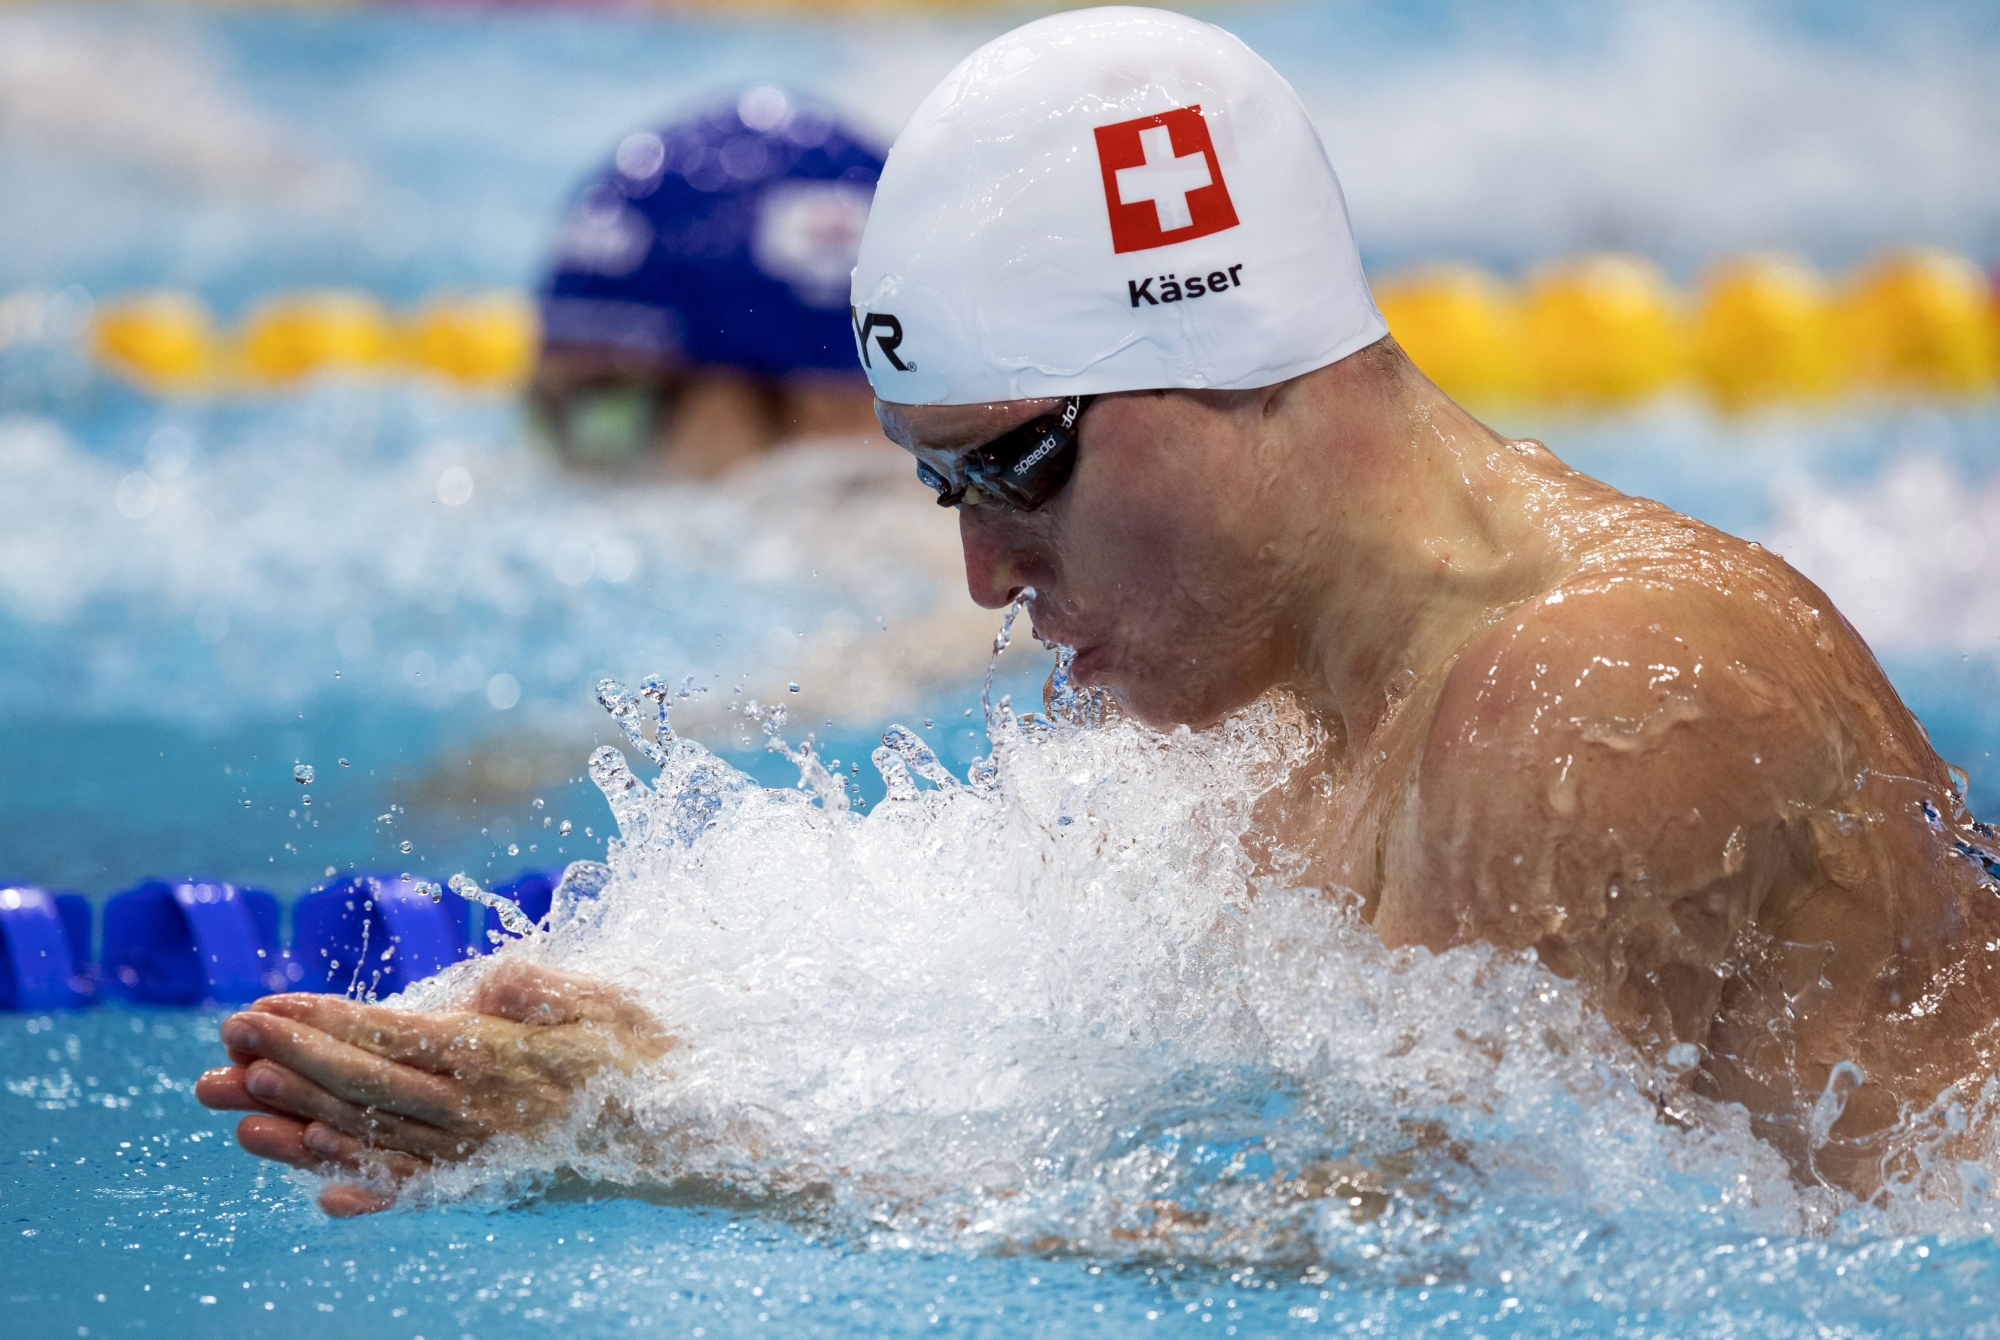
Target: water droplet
929,724
305,800
431,890
538,802
406,846
248,803
345,764
385,818
336,674
513,849
302,773
330,871
563,828
793,687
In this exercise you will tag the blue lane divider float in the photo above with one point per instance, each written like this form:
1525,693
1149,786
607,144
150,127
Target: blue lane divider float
46,950
190,942
182,942
373,935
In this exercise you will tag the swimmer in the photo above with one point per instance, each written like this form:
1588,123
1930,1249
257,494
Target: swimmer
1109,299
697,312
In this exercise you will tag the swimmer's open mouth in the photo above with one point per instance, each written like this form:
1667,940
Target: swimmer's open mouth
1085,664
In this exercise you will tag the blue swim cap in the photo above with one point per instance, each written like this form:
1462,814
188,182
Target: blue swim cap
724,239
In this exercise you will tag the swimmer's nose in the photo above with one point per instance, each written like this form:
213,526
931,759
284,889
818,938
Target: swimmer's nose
1000,558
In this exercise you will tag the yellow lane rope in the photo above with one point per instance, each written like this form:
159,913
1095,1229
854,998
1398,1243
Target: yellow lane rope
1593,331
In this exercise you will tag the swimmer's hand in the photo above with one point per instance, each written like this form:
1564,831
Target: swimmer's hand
335,1085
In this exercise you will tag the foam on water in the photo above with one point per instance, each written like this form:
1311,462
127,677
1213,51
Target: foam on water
260,552
1055,1007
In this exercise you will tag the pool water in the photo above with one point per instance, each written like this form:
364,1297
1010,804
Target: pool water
1041,1082
132,1213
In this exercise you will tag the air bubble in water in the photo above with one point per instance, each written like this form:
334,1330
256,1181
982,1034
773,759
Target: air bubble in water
302,773
406,846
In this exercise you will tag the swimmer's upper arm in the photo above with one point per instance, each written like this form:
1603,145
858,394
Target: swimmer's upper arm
1607,780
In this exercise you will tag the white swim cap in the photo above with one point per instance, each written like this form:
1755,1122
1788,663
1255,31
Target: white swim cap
1110,199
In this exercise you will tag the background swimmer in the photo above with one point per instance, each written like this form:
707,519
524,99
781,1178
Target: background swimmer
697,313
1557,718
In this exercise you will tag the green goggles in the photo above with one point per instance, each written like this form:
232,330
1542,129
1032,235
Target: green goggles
1022,468
606,425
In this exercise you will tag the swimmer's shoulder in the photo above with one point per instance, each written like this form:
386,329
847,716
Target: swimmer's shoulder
1647,717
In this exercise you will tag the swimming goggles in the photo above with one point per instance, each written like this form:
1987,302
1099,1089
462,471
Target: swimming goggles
610,424
1023,467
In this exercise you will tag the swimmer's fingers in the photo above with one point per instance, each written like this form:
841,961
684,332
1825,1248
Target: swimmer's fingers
345,1200
371,1126
279,1139
528,994
427,1041
223,1090
349,1073
335,1148
454,1045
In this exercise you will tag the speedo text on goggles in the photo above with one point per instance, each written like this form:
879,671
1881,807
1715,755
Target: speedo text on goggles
1023,468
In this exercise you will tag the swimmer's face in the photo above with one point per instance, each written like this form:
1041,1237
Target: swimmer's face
1157,559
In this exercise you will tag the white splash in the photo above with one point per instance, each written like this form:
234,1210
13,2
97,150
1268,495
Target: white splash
260,557
1909,556
1053,1005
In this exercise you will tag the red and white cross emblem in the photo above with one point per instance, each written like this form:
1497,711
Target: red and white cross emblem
1162,183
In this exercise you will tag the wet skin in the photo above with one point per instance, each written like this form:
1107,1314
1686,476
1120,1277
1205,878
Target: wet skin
339,1086
1554,718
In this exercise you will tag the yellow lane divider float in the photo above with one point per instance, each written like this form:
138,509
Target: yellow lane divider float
169,343
1589,333
1608,330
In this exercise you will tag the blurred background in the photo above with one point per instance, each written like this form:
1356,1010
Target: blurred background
375,378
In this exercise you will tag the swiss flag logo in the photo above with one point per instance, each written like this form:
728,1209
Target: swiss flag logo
1161,181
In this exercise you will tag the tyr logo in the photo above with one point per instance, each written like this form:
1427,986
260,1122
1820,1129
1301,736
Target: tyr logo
1162,183
888,341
